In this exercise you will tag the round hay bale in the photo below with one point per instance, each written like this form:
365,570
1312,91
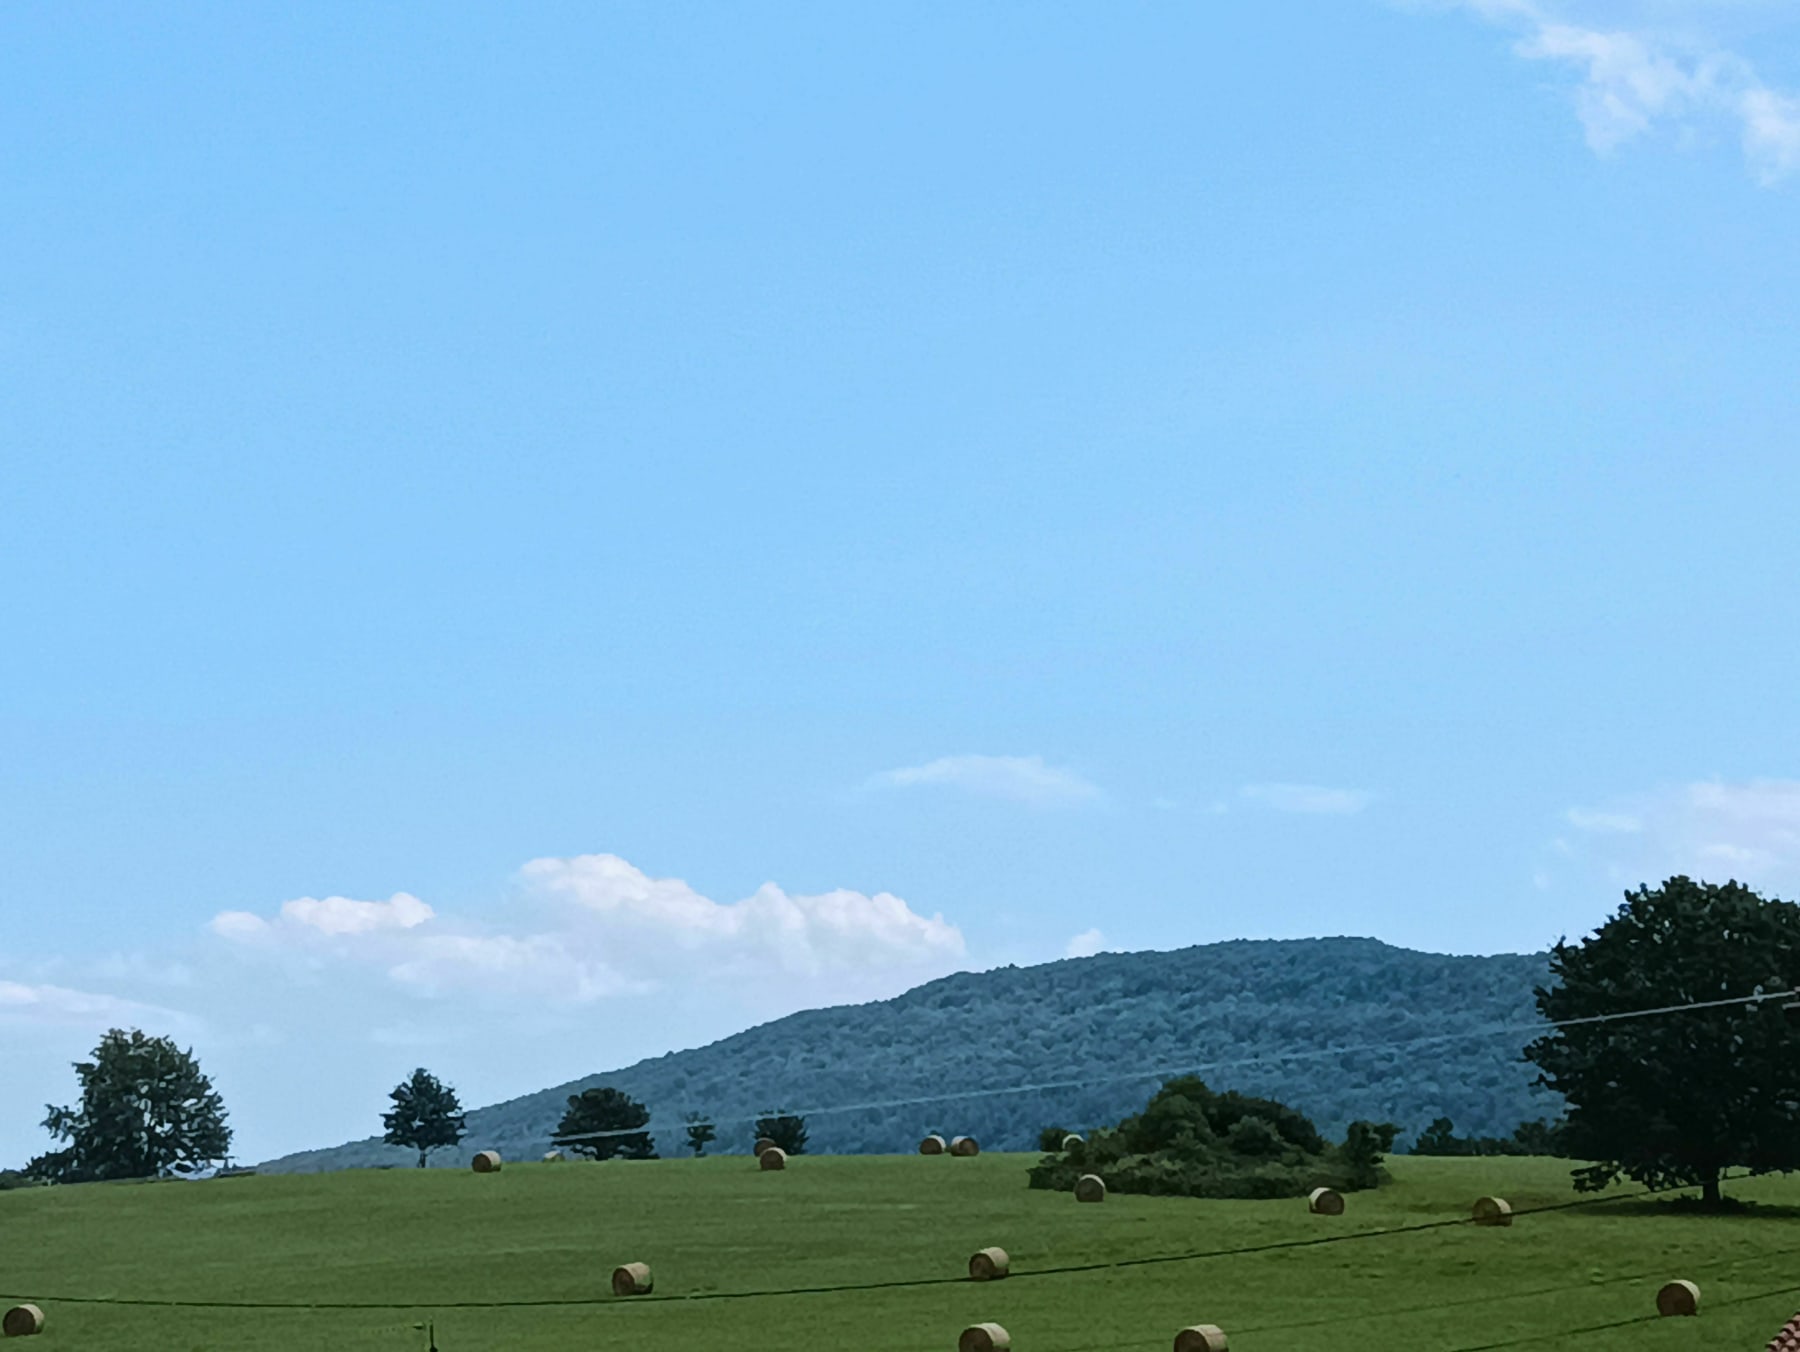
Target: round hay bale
1325,1202
1678,1298
762,1143
554,1157
772,1158
1201,1338
633,1279
1071,1140
1090,1188
932,1145
22,1321
486,1162
1492,1211
965,1146
989,1265
984,1338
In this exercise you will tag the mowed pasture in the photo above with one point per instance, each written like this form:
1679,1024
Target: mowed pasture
730,1247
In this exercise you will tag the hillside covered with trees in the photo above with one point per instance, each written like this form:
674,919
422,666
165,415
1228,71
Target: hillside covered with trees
1083,1042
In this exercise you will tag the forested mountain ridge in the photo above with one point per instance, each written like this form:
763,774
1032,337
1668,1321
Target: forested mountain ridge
1095,1037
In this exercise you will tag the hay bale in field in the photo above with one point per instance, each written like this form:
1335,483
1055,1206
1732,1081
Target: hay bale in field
965,1146
762,1143
932,1145
554,1157
1492,1211
989,1265
21,1321
1090,1188
1201,1338
633,1279
772,1158
984,1338
1678,1298
1325,1202
486,1162
1072,1139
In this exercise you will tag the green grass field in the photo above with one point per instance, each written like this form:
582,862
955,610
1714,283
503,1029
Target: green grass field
550,1233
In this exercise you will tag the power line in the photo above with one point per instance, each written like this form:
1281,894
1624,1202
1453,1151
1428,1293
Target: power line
1312,1054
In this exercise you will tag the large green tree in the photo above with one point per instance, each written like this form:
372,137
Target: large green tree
426,1115
593,1113
146,1111
1676,1099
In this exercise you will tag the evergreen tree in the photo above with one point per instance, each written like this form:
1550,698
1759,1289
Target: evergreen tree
593,1112
1675,1099
146,1111
425,1115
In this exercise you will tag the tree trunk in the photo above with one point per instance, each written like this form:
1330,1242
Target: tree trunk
1709,1189
421,1159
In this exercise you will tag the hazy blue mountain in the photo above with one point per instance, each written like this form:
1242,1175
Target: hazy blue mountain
1082,1042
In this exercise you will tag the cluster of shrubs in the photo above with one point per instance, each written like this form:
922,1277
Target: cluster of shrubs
1191,1142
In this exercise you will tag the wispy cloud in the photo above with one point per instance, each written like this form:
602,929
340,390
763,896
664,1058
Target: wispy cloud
1614,823
1307,798
1019,779
61,1006
1635,80
1710,829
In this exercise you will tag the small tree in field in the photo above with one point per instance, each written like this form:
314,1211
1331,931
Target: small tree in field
600,1123
1675,1099
425,1115
700,1133
786,1129
146,1111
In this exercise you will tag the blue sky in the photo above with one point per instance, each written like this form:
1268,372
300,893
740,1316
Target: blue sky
534,538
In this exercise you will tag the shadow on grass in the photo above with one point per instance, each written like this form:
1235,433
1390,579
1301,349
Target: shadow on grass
1728,1208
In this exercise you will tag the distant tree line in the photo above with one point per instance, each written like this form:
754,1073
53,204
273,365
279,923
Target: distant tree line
1539,1137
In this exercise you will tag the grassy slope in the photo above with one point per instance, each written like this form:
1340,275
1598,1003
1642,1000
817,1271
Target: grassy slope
544,1232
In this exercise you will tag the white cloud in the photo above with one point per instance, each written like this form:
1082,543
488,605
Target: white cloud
605,928
1307,798
1633,80
1021,779
310,917
769,931
1614,823
1085,944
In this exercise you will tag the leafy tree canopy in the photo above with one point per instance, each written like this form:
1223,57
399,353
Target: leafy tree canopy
784,1128
146,1111
1529,1138
1676,1099
1193,1142
605,1110
425,1115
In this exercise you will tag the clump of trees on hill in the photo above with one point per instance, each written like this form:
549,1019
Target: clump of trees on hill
602,1124
787,1130
1189,1141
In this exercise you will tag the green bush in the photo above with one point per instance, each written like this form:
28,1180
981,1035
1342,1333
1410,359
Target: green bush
1191,1142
